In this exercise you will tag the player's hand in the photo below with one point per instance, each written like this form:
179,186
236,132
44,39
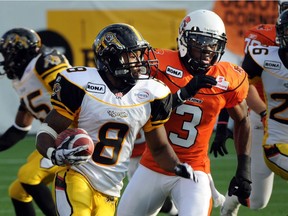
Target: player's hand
64,156
241,188
195,84
219,144
186,171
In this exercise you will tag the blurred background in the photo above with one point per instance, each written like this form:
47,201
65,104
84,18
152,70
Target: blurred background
71,27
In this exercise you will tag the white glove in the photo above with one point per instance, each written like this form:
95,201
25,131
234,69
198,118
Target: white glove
186,171
63,157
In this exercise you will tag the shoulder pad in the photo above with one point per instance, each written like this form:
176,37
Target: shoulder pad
49,59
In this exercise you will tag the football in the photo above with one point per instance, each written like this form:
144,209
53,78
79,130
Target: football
80,138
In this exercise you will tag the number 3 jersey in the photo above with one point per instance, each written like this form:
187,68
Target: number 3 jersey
190,126
113,120
264,62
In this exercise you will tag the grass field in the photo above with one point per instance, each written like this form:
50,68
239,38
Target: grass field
223,169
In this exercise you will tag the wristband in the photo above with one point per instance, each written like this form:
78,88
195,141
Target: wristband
44,128
49,152
263,113
244,166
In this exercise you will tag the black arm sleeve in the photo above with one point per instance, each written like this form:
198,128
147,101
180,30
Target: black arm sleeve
11,137
222,123
251,67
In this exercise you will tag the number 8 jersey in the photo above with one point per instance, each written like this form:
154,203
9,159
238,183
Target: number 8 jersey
113,120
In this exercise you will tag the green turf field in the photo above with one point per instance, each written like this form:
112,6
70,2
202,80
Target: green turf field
222,170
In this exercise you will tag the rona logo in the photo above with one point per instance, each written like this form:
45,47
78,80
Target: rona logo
96,88
174,72
272,65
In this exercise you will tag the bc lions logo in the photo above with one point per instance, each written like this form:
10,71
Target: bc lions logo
186,20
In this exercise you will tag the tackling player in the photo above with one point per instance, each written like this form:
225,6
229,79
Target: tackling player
112,103
262,176
202,86
32,67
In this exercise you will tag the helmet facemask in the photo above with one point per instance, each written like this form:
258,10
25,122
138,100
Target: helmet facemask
129,65
119,50
282,6
202,50
282,30
18,47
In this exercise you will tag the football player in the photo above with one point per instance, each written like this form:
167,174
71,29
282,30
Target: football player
266,36
262,177
112,102
202,86
32,67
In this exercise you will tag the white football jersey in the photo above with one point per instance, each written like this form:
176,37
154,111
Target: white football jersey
112,120
274,76
35,86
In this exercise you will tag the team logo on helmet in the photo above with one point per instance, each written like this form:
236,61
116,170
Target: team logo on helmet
184,23
109,39
14,39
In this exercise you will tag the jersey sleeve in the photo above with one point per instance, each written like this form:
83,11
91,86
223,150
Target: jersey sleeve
49,64
251,67
239,85
161,107
67,97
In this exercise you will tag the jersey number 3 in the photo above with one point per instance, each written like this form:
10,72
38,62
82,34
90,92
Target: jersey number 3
190,127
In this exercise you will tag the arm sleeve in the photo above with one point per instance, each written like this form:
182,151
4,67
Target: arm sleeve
11,137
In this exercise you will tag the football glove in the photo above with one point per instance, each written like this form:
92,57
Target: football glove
186,171
240,184
219,144
64,156
241,188
195,84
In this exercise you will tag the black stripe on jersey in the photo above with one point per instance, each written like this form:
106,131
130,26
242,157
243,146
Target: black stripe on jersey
68,94
63,67
161,109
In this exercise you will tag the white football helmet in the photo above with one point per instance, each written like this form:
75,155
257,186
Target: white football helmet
199,30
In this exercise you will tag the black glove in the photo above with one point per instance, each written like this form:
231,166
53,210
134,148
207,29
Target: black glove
186,171
195,84
240,184
219,143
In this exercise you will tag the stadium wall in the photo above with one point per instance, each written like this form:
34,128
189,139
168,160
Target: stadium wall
71,26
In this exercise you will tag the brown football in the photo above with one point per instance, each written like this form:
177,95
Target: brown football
80,138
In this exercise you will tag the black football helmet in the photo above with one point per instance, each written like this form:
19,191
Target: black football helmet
115,40
18,47
282,29
199,30
282,5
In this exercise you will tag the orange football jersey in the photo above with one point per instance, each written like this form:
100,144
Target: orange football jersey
263,34
191,124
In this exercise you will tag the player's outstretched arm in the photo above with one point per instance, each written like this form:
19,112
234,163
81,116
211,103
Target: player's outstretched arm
165,156
223,133
18,131
240,184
